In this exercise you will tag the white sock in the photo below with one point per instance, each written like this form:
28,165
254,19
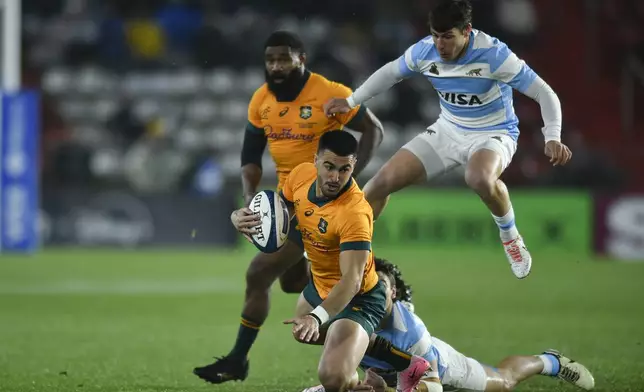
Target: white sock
550,364
547,365
506,226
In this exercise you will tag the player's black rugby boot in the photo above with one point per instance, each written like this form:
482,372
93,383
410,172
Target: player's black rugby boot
223,369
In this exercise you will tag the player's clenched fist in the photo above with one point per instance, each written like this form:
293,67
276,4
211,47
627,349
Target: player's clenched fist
305,329
336,105
558,152
245,221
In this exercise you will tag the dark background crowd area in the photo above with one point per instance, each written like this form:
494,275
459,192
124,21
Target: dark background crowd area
152,94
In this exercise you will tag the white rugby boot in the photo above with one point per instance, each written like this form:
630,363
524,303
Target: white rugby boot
518,256
573,372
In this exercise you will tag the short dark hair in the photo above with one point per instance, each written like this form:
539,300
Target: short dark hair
449,14
285,38
403,290
341,143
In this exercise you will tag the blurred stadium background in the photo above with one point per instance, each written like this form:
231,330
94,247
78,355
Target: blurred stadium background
122,123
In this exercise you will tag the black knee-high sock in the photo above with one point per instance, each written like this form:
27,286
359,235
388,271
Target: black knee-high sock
246,336
383,350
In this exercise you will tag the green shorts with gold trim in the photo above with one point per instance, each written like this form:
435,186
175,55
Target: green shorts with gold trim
366,309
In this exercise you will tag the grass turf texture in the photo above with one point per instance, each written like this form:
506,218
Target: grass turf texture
75,320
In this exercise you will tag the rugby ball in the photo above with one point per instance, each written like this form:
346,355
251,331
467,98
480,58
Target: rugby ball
272,232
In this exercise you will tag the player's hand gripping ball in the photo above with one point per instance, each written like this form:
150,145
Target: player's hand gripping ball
274,221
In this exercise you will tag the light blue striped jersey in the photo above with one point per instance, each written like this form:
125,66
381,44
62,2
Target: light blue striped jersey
406,331
475,90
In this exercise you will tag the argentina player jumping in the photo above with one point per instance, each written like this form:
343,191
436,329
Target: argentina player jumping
474,75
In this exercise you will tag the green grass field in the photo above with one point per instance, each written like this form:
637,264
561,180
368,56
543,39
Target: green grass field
75,320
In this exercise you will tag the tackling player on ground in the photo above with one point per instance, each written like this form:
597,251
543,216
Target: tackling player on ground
345,300
285,113
474,75
451,369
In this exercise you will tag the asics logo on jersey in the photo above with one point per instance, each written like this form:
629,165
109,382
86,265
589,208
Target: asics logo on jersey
461,99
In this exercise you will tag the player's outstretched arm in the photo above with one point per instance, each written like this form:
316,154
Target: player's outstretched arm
251,160
379,82
355,235
548,100
352,265
508,68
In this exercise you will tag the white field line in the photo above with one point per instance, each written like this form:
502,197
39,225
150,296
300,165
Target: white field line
123,287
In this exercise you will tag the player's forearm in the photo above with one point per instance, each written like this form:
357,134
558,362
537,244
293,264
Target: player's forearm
379,82
372,135
341,294
251,161
550,105
251,177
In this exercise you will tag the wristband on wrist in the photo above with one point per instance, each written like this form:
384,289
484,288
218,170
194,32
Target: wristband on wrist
320,314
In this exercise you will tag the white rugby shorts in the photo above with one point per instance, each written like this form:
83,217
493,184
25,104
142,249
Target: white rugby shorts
462,373
443,147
